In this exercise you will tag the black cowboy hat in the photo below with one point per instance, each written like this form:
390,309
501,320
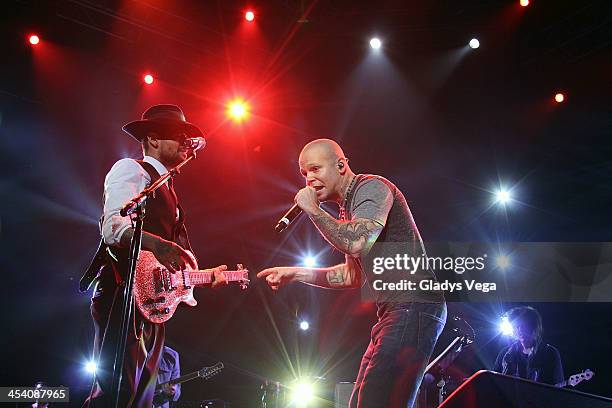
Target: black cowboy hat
159,118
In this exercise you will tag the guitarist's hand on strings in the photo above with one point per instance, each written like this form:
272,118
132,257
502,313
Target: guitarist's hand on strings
172,256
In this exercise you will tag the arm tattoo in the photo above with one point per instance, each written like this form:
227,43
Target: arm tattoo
343,276
335,278
162,249
350,237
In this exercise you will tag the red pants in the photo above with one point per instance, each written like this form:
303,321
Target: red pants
143,350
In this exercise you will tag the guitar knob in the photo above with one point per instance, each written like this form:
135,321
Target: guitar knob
165,310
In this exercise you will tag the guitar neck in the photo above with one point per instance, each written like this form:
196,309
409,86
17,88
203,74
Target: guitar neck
206,277
182,378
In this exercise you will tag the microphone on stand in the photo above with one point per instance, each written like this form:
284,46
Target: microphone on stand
195,143
288,218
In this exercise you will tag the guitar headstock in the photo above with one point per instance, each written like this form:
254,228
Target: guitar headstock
575,379
209,372
244,281
463,330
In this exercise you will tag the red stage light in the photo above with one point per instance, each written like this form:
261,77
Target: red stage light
249,16
34,39
559,97
524,3
237,110
148,79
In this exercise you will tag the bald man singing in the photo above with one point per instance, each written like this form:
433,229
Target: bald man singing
375,223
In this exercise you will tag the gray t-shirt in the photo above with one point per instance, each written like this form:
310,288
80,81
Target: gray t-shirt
372,199
376,198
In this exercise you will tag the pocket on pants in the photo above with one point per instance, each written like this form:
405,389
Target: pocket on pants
430,327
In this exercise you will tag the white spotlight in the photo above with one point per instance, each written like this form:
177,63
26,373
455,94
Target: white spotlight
302,393
375,43
474,43
503,196
505,327
310,261
304,325
91,367
502,262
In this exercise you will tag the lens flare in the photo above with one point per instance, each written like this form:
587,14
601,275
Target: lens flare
237,110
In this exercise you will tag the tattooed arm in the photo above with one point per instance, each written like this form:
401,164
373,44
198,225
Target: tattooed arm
354,238
343,276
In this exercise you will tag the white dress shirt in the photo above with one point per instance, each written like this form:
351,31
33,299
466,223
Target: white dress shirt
124,181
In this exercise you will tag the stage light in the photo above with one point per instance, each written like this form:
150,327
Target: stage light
91,367
310,261
375,43
148,79
502,262
559,97
304,325
524,3
33,39
249,16
503,196
302,393
474,43
237,110
505,327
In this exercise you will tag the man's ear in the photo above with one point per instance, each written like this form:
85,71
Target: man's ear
342,166
153,139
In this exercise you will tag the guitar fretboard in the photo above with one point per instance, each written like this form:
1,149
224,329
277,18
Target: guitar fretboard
205,277
184,378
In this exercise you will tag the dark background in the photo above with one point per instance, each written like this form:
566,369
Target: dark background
447,124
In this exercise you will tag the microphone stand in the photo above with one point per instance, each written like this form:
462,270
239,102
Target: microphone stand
135,206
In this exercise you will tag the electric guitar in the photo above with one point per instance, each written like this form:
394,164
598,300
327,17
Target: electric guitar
206,373
158,292
575,379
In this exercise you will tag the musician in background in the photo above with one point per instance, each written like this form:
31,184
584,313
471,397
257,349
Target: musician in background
528,357
163,133
169,369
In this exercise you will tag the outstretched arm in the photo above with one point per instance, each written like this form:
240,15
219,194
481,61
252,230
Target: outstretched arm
343,276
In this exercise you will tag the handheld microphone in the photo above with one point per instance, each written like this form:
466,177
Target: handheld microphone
288,218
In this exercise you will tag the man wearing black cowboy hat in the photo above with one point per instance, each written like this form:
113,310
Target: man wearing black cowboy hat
163,132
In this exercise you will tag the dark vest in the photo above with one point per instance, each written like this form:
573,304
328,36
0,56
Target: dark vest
161,212
160,219
399,235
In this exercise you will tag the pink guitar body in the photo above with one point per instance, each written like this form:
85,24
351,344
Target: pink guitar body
158,292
